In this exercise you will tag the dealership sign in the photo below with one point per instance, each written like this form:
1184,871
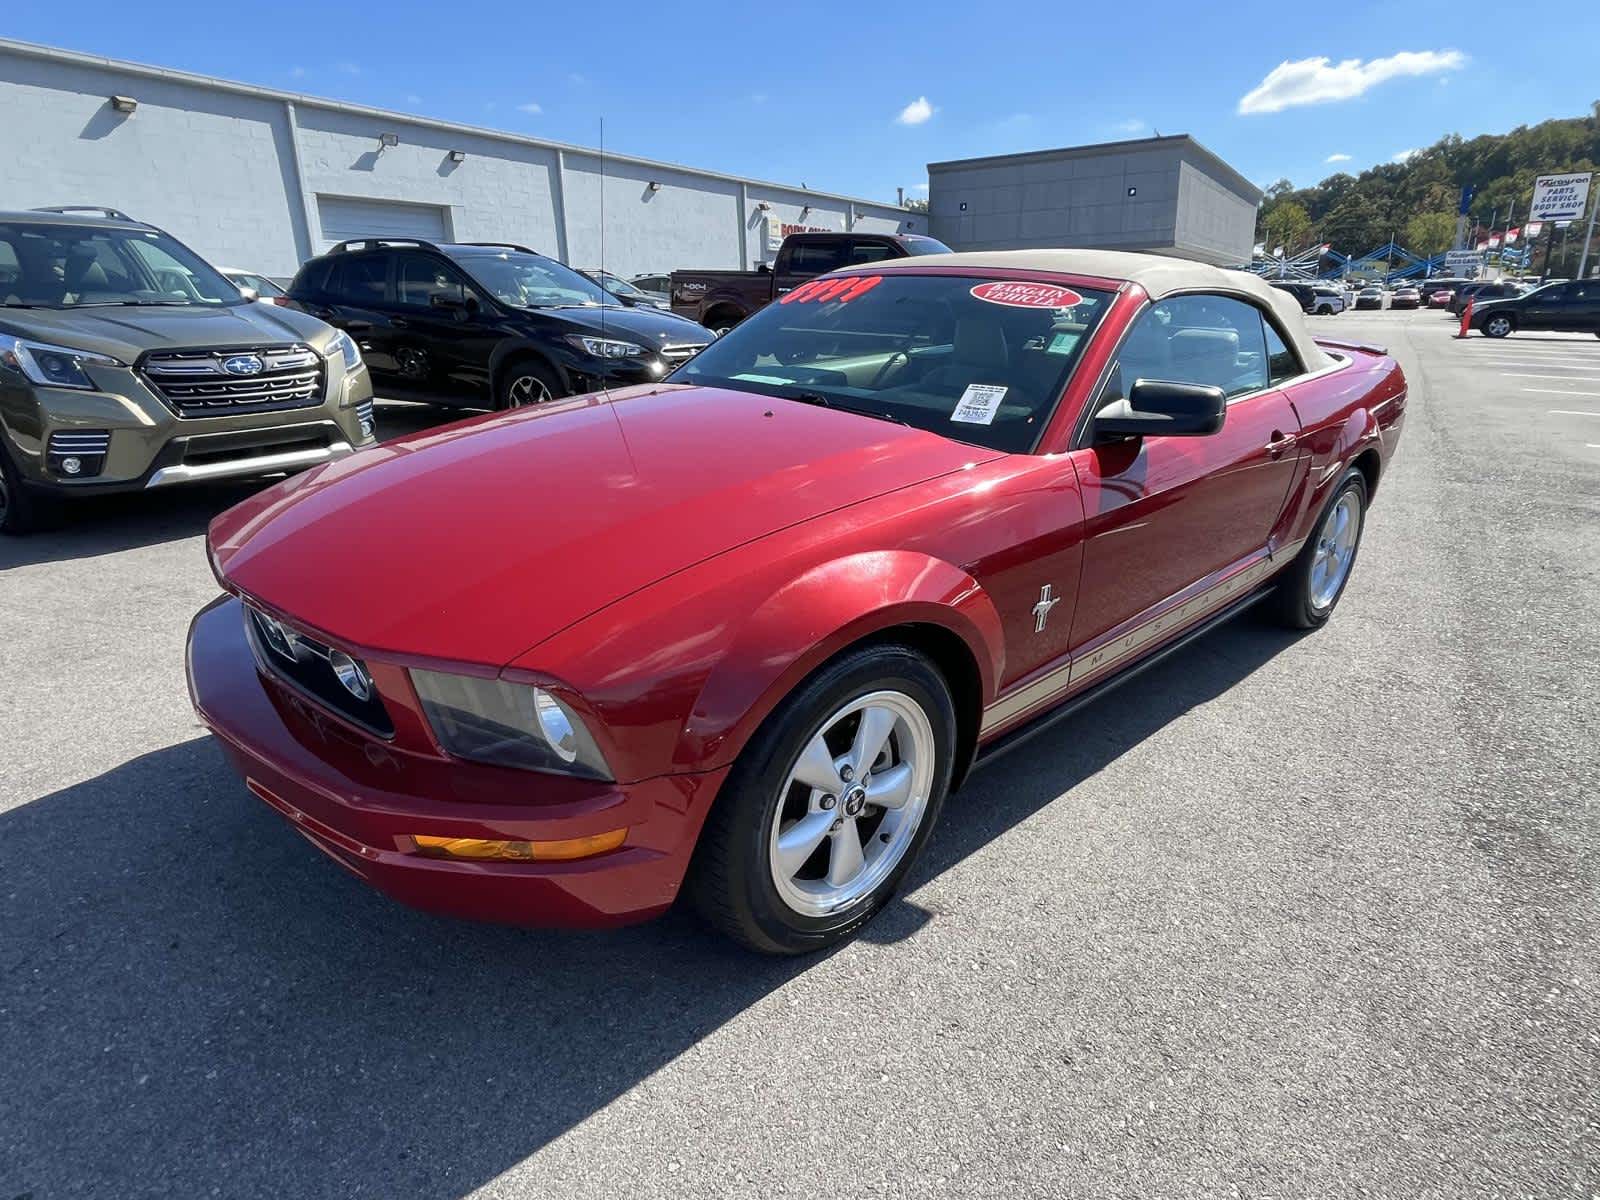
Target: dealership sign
1462,260
778,229
1560,197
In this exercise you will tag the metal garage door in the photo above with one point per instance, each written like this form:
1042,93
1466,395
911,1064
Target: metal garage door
344,218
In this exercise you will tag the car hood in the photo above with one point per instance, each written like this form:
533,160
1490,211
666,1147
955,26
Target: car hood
127,332
648,326
475,542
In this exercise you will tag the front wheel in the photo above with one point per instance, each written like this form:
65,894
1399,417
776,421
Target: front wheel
22,510
1308,591
829,804
1498,326
526,382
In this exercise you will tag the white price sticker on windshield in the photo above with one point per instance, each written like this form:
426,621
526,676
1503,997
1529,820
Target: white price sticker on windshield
978,404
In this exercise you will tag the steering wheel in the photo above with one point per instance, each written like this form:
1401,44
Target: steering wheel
883,371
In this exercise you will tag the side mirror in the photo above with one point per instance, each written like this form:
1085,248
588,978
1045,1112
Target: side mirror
249,293
1157,408
626,301
763,269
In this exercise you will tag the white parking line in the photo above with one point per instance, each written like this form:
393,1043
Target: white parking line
1563,378
1571,412
1558,392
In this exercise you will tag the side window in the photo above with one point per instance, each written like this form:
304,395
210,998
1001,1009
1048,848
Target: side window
419,278
870,252
360,280
814,258
1214,341
1282,363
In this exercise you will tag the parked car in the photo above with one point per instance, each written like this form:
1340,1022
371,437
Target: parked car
128,363
1478,293
1321,299
1406,296
719,300
1369,297
486,324
1571,307
661,284
738,637
628,293
254,286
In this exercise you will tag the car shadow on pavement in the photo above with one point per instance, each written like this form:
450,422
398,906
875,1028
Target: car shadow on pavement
194,1001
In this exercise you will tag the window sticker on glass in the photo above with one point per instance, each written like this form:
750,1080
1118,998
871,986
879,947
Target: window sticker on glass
978,404
1063,342
1018,294
746,377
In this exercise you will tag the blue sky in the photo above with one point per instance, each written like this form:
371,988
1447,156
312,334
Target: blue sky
858,98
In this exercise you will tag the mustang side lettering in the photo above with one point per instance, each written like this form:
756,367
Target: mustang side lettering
912,513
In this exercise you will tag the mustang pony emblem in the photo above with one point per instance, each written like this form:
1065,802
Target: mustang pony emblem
1041,610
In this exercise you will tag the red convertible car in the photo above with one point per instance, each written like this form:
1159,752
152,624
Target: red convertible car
737,634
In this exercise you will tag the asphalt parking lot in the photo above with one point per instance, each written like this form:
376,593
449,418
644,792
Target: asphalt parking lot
1287,916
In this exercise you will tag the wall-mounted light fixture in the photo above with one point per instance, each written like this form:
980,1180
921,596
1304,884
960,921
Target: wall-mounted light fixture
124,104
654,186
388,141
763,206
804,210
1133,191
457,156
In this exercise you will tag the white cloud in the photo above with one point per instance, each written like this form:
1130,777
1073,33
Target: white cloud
297,72
919,187
413,98
1333,158
1401,156
1320,80
532,109
348,68
1131,125
915,113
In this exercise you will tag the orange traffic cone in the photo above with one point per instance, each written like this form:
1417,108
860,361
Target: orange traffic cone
1466,319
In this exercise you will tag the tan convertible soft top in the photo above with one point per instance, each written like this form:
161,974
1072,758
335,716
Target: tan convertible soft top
1158,274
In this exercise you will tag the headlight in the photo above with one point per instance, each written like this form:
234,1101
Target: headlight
509,724
53,366
347,347
605,347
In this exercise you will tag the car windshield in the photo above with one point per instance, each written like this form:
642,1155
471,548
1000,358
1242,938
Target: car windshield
617,287
978,360
85,266
533,281
262,285
916,243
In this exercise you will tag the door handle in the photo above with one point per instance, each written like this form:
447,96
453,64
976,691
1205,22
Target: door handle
1280,442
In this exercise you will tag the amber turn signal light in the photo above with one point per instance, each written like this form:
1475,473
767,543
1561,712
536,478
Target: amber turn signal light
481,849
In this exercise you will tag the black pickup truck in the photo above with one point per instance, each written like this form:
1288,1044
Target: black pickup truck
719,300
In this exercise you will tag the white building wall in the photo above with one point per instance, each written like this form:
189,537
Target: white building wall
235,172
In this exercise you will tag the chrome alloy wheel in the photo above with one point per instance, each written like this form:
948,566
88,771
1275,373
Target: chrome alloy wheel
852,803
525,390
1498,326
1336,549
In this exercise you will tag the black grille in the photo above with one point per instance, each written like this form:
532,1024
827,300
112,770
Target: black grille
307,665
200,383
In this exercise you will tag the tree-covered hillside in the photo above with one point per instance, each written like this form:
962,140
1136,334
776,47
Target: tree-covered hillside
1416,200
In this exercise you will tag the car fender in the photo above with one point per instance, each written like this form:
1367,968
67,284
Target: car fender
519,346
830,607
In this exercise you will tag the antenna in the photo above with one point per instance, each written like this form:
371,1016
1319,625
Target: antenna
602,286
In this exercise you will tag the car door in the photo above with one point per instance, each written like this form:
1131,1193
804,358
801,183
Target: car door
442,332
1168,515
1546,308
353,296
1584,308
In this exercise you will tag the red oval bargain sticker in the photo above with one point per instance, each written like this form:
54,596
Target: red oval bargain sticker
1017,294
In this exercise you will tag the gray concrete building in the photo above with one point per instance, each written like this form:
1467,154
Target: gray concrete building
262,179
1168,195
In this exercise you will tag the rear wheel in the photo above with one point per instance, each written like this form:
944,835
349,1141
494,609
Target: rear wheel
1308,591
524,382
1498,326
829,804
722,320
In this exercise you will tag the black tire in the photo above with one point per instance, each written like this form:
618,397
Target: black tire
1291,603
722,320
1498,325
517,376
730,881
23,510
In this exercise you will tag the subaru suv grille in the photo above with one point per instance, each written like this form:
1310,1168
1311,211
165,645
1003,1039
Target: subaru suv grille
681,354
202,383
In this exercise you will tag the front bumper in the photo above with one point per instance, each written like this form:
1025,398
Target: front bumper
148,446
361,800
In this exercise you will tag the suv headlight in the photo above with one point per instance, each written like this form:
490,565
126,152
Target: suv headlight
347,347
53,366
605,347
509,724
